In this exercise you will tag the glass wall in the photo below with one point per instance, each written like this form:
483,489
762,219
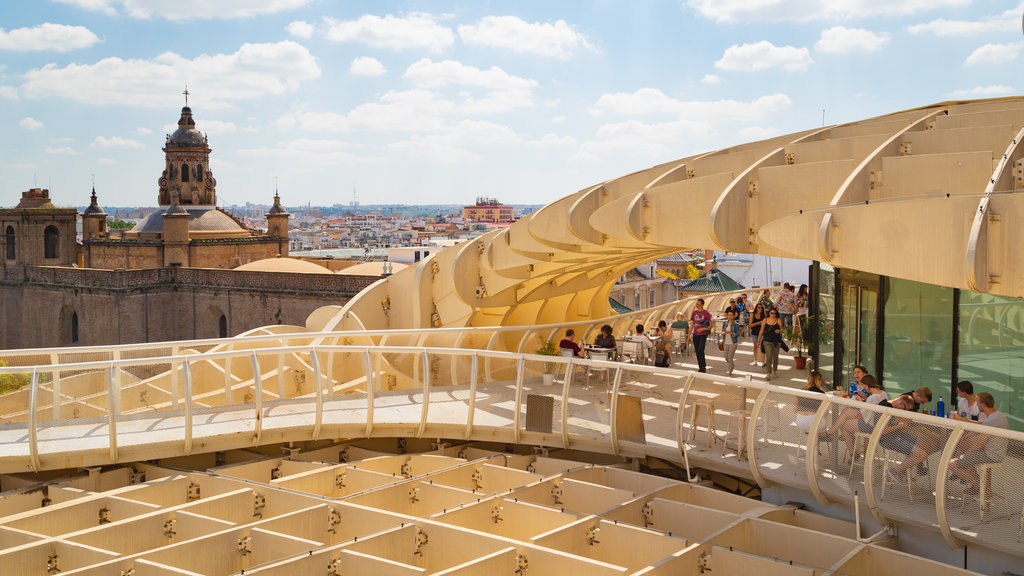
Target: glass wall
991,351
858,337
826,321
918,343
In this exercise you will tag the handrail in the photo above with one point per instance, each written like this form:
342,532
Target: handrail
374,359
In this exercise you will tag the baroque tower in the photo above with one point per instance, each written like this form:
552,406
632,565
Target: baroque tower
187,178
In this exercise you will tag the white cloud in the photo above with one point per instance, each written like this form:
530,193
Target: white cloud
9,92
762,56
63,150
452,145
552,140
300,29
688,123
47,36
843,40
711,79
30,123
366,66
994,53
557,40
808,10
504,91
558,119
115,142
254,71
415,30
216,127
754,133
143,130
308,151
402,111
106,161
1008,21
188,9
983,91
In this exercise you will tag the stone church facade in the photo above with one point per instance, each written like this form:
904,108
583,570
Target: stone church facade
171,277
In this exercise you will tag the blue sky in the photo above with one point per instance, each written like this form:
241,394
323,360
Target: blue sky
441,102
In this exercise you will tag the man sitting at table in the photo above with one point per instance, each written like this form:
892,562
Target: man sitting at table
980,448
922,395
569,343
644,340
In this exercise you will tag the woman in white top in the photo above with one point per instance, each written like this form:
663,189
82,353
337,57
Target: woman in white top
851,420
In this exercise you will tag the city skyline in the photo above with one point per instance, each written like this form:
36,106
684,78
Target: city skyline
524,103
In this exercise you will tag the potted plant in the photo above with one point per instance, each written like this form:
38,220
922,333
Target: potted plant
799,337
548,349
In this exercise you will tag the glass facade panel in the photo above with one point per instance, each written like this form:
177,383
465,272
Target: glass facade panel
859,310
918,344
992,350
826,321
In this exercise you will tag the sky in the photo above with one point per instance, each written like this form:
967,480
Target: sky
442,102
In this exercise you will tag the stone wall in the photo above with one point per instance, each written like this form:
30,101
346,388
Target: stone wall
129,306
227,253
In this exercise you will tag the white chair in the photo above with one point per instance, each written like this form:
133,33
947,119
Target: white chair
986,496
603,370
568,353
708,405
633,352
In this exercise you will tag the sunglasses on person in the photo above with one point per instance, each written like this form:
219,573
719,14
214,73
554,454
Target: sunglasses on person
773,314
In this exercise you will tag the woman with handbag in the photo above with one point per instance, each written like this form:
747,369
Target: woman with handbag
771,337
756,319
731,337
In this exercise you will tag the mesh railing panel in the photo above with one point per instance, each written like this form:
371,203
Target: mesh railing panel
987,509
780,445
905,468
839,474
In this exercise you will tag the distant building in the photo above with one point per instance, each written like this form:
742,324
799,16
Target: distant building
754,270
488,210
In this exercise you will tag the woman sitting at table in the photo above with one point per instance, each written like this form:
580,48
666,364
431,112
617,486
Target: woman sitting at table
806,408
605,338
664,330
852,420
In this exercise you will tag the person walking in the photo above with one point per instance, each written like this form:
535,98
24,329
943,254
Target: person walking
771,337
731,330
756,319
700,327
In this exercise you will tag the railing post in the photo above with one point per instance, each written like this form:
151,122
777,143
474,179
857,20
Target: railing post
755,470
227,379
257,380
565,405
318,421
613,406
113,407
869,469
520,373
33,438
425,409
186,371
55,385
174,380
281,393
473,380
942,474
370,391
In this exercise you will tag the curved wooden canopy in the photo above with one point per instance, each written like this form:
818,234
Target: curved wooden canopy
931,194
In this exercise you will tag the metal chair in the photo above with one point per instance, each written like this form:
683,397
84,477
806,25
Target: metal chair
633,352
986,495
603,370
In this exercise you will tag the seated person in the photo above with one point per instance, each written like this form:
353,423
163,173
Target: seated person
806,408
852,420
605,338
967,407
569,343
645,342
664,330
980,448
681,323
663,353
922,395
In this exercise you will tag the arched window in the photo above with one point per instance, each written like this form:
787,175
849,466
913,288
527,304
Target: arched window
10,239
51,242
184,172
74,328
223,326
199,173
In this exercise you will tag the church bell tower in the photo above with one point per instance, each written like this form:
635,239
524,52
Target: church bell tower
187,178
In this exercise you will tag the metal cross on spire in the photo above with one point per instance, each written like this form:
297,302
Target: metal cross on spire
186,93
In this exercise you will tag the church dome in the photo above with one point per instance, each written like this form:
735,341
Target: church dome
186,135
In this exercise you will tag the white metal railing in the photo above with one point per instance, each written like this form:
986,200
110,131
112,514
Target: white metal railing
108,394
533,335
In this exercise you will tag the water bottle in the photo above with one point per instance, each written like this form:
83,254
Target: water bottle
853,389
940,408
